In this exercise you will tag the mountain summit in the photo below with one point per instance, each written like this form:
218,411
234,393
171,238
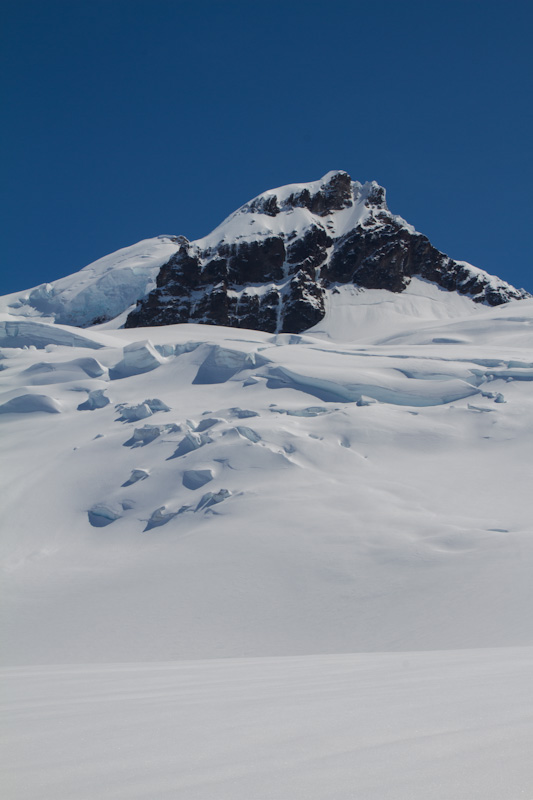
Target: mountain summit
275,265
270,264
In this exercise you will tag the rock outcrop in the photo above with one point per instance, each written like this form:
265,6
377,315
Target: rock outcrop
269,265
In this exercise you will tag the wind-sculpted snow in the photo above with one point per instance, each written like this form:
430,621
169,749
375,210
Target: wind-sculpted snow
141,410
46,372
138,357
30,404
163,515
242,413
196,478
31,333
248,433
137,475
149,433
102,515
95,399
372,384
221,364
160,517
191,441
204,424
215,492
513,372
211,499
312,411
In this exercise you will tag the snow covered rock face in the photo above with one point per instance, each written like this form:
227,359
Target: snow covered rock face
271,263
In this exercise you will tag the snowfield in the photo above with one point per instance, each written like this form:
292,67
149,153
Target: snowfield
279,566
388,726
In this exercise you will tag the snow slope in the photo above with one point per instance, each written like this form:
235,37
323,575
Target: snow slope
448,726
243,543
192,491
100,291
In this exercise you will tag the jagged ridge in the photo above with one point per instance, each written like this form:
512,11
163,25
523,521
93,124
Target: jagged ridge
269,265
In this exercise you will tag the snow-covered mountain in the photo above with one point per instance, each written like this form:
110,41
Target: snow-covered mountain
272,266
245,542
273,263
237,491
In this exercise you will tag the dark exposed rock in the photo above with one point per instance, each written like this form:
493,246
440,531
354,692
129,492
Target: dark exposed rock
375,259
182,269
265,205
277,281
215,270
304,304
215,305
376,197
332,196
255,261
310,250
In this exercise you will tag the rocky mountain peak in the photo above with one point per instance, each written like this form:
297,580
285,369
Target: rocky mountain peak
373,195
270,264
334,192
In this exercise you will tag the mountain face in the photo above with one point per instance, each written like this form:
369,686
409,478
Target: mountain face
270,265
274,265
228,555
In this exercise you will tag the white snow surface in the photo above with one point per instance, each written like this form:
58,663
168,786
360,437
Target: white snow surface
305,573
360,494
391,726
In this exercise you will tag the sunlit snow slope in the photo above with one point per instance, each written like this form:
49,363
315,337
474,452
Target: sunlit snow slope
193,492
100,291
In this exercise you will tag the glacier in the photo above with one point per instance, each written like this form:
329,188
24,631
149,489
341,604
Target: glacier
248,564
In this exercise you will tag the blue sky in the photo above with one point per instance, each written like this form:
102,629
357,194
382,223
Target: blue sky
125,119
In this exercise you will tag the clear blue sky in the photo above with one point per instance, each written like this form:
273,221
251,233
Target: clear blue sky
124,119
